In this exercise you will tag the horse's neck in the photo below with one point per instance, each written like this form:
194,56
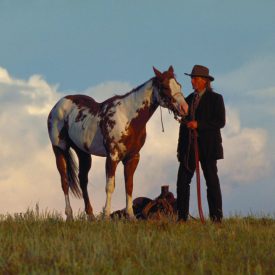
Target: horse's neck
142,102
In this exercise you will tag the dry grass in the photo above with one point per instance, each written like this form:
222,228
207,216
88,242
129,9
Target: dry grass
33,243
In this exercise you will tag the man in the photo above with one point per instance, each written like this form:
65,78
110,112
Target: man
207,117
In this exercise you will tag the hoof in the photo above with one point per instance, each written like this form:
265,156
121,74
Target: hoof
91,218
69,218
131,218
106,217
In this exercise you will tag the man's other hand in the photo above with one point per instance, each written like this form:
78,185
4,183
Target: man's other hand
193,124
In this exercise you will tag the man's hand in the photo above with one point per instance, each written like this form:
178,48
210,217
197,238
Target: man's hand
193,124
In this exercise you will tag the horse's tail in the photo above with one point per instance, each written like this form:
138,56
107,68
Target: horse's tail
72,174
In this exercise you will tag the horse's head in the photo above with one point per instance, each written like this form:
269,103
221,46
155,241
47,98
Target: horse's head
170,93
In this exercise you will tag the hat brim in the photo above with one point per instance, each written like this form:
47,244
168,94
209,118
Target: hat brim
194,75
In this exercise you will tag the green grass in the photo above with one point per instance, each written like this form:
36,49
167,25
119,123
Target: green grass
33,243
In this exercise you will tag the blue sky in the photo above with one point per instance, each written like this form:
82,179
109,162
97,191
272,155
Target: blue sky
52,48
79,44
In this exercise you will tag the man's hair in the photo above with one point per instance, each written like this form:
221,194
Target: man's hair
208,85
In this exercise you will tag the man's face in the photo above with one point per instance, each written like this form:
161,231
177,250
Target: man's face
198,83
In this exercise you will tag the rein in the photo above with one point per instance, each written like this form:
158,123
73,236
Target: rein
197,161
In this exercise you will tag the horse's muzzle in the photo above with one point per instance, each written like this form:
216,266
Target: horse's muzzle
182,109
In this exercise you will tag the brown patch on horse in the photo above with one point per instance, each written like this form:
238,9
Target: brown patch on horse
63,134
144,114
135,135
130,163
106,115
80,116
111,167
86,102
108,119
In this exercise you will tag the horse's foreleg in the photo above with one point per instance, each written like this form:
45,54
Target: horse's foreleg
61,164
130,165
110,184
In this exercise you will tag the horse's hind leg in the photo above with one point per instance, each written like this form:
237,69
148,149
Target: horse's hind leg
85,163
61,164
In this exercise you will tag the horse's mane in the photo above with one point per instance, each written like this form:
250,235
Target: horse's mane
126,94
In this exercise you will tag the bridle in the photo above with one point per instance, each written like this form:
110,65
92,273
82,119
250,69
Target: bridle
168,100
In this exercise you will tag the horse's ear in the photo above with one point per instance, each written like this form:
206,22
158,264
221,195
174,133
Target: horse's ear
171,70
157,73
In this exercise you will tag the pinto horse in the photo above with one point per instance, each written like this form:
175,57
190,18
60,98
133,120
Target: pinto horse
115,129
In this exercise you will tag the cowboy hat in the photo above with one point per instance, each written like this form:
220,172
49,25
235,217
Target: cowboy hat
201,71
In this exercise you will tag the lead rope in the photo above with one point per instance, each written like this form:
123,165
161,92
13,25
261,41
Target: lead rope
194,134
161,119
197,159
196,149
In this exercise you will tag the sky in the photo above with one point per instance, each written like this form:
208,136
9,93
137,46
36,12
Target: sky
49,49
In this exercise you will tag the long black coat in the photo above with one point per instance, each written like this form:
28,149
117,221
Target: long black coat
210,115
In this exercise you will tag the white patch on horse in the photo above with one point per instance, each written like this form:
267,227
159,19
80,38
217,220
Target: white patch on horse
177,94
82,127
68,208
110,187
174,86
58,115
129,205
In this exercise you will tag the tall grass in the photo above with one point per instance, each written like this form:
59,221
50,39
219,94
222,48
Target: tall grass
42,243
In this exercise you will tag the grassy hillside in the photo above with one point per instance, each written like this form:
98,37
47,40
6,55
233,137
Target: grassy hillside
45,244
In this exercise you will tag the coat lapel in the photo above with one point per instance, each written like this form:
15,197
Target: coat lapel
203,102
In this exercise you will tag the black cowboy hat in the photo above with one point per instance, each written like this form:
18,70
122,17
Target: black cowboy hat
201,71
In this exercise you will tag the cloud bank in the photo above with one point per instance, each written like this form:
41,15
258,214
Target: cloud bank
246,153
28,172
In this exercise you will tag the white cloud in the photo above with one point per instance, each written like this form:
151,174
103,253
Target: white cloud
251,91
267,93
246,155
4,76
256,74
28,172
251,88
